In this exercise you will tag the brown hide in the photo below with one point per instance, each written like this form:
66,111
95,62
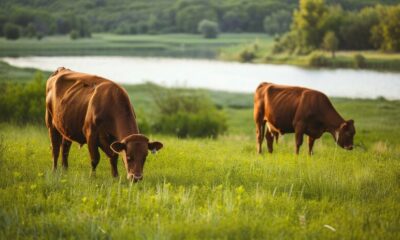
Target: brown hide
89,109
280,109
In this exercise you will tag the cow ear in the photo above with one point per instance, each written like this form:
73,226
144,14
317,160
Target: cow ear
155,146
118,147
350,122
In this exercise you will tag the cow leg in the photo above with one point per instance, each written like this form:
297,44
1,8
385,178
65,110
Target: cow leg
105,146
92,142
113,162
260,128
310,145
299,131
65,147
55,138
270,140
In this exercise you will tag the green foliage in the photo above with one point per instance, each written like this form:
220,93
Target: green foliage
247,55
188,18
371,27
278,22
187,115
359,61
23,102
306,23
11,31
234,20
74,35
355,30
386,34
208,28
318,60
330,42
287,43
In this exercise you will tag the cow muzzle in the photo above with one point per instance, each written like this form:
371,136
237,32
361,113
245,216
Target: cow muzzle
135,177
349,147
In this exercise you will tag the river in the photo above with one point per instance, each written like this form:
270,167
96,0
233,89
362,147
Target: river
227,76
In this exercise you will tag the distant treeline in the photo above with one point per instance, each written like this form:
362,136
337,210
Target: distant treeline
318,25
38,18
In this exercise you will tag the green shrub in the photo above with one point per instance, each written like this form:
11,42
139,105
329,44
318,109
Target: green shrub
359,61
74,35
12,31
208,28
23,102
286,43
318,60
187,115
247,55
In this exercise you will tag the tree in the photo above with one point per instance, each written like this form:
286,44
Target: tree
208,28
307,21
233,21
386,35
189,17
278,22
355,31
330,42
12,31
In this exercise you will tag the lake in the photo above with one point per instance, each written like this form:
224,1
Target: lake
227,76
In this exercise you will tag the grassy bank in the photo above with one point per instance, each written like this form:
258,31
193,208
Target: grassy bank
172,45
203,188
257,52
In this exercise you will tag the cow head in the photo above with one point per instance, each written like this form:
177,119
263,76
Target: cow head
345,135
134,149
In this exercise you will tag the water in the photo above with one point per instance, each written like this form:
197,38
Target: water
228,76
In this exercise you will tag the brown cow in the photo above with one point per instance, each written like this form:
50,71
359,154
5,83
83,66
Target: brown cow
288,109
90,109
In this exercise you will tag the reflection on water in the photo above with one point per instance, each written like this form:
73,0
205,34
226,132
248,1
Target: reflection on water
229,76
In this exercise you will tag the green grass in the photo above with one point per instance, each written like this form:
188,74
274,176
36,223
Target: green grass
174,45
203,188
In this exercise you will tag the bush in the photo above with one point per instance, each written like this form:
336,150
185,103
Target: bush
208,28
187,115
318,60
23,103
12,31
359,61
246,55
74,35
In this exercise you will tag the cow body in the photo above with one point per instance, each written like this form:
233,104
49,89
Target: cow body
89,109
282,109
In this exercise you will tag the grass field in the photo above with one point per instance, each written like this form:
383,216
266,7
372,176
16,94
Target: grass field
204,188
172,45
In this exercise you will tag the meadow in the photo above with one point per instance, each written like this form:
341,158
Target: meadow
210,188
178,45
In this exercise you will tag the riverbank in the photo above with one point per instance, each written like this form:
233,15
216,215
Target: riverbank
104,44
262,53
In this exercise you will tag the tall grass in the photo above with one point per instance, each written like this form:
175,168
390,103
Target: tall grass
204,188
199,189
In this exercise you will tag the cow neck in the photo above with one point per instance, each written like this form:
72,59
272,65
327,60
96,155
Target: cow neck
334,121
125,127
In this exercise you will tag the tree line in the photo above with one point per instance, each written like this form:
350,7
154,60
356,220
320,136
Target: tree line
38,18
316,25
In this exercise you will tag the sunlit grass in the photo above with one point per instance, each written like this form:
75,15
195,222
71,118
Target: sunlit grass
203,188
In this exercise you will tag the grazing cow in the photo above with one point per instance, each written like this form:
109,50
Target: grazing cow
288,109
89,109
